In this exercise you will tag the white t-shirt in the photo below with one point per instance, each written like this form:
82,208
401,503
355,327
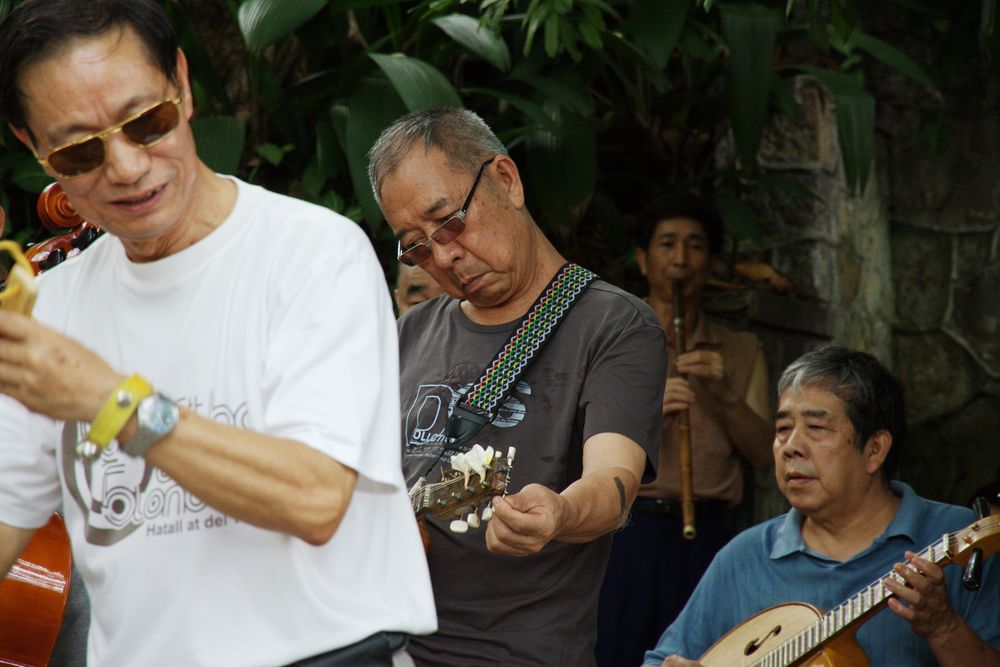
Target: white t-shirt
279,321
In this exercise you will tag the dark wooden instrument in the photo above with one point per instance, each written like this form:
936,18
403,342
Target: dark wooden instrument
72,233
800,634
33,598
683,421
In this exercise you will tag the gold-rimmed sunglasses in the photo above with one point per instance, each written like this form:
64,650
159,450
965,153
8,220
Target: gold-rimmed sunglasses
144,128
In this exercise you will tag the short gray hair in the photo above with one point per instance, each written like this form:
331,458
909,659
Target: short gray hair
873,397
465,139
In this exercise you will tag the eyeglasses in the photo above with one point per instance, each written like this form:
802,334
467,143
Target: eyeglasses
145,128
419,252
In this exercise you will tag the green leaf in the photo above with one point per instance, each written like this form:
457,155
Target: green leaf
988,30
344,5
5,7
374,106
782,96
530,110
656,27
740,219
420,85
220,142
332,201
264,22
327,155
570,95
534,20
29,175
482,41
856,136
563,164
750,32
855,113
273,154
893,58
552,35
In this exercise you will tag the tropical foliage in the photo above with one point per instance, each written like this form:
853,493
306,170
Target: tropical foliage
602,102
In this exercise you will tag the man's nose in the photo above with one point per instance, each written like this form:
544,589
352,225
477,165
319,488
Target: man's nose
791,446
124,161
446,254
681,255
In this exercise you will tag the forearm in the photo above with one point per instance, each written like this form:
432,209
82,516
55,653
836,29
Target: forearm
597,503
13,541
272,483
961,647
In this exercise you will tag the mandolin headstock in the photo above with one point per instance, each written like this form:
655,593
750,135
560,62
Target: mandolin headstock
982,534
465,487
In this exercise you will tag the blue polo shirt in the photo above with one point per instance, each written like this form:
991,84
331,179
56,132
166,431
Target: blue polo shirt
769,564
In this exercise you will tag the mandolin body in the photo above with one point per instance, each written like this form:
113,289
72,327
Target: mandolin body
750,641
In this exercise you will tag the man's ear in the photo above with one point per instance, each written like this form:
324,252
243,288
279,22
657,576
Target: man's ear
640,258
23,136
184,84
877,450
509,179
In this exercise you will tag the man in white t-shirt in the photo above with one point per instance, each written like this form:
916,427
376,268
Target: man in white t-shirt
216,433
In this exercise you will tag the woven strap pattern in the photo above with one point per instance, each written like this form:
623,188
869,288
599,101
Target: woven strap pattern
537,325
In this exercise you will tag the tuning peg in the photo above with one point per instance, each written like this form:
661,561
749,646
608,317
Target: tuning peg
487,512
458,526
473,520
510,454
972,577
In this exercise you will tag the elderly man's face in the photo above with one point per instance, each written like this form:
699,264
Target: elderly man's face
413,286
488,261
818,467
141,195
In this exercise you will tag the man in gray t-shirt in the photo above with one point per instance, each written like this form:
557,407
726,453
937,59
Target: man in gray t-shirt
585,416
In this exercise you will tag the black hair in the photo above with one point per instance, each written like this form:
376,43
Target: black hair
680,205
37,29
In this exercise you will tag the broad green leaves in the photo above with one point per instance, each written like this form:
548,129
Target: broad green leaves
419,84
266,21
374,106
478,39
220,142
750,32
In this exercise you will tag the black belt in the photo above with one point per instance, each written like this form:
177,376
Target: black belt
373,651
706,509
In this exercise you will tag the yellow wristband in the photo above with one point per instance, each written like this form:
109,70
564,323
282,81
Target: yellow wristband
117,410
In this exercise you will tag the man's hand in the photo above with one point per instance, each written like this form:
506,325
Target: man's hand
709,366
49,373
677,396
525,522
678,661
924,602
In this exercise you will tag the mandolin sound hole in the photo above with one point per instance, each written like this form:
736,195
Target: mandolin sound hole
755,645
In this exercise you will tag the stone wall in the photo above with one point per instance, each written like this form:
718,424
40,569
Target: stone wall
945,230
908,270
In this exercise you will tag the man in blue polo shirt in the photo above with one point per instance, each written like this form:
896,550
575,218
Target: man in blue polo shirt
840,424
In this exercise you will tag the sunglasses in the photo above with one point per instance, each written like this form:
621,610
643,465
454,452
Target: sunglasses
419,252
145,128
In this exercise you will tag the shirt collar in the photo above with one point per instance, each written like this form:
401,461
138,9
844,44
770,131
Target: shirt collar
905,523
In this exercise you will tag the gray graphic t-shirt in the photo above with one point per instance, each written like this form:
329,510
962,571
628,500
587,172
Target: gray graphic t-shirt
601,371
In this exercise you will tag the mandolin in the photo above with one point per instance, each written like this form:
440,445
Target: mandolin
33,598
800,634
473,478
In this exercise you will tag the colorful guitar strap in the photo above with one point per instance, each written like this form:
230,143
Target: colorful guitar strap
481,405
